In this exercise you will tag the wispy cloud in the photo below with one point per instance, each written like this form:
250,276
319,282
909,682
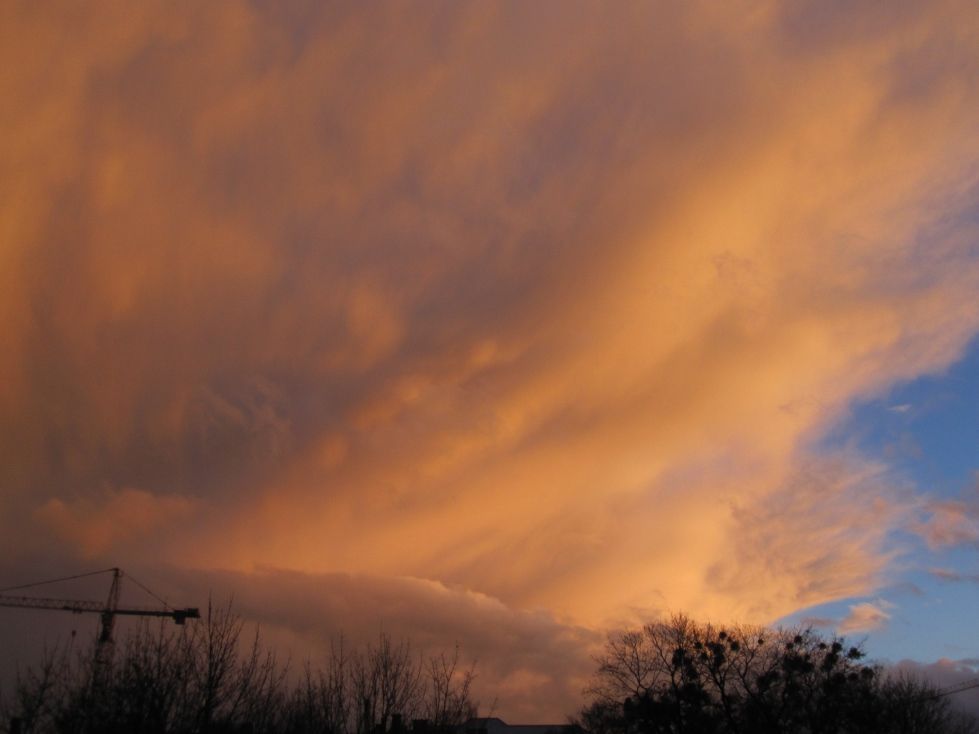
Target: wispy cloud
544,303
946,574
950,523
865,617
98,524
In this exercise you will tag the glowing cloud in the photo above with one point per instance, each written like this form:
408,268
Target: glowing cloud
864,618
545,302
96,526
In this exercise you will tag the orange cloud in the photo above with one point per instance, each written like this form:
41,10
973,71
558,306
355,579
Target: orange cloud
105,523
550,306
864,617
950,522
530,666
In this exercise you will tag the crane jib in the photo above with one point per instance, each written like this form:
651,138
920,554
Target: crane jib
79,606
107,610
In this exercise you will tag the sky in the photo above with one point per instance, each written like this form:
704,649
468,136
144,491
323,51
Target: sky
505,324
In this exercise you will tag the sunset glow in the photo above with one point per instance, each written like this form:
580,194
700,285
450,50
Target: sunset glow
503,324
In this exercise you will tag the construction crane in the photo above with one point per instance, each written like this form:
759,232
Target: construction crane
966,685
108,610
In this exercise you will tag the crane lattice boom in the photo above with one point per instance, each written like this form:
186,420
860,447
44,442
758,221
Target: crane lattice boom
99,607
108,610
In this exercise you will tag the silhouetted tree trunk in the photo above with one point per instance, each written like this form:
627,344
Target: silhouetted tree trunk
679,676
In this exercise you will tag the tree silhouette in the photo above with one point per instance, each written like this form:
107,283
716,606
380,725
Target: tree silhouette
207,677
680,676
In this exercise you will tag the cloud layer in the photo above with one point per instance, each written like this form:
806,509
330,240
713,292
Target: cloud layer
543,302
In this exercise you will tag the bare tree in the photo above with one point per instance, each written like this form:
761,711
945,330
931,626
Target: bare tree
448,699
387,681
321,700
39,691
207,678
680,676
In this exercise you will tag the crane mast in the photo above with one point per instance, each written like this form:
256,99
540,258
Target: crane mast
107,610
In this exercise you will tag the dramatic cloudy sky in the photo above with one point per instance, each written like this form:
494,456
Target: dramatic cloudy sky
499,323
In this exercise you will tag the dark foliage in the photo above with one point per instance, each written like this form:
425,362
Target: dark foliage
682,677
207,677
